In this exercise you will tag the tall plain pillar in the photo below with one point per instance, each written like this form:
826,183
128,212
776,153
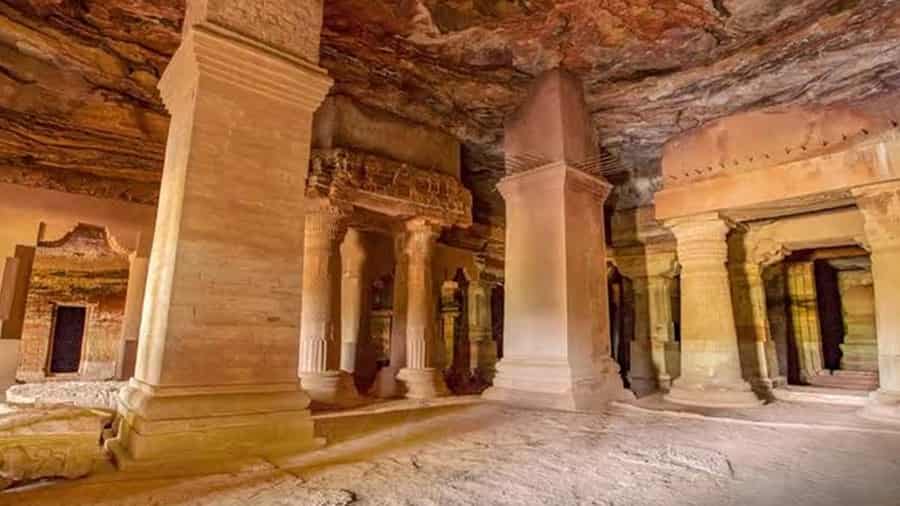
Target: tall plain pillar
353,261
880,205
421,378
556,349
710,359
556,334
216,375
139,263
320,327
386,384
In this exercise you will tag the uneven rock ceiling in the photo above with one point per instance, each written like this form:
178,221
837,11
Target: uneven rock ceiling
79,110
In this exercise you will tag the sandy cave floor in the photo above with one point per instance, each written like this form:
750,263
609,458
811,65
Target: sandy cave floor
480,454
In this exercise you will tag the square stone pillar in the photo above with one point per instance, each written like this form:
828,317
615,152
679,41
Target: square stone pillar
482,347
139,263
880,205
386,384
216,375
710,361
556,320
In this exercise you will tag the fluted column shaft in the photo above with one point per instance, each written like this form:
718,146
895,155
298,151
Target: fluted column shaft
880,205
710,360
353,260
325,229
422,380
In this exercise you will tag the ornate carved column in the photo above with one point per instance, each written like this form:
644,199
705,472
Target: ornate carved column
353,261
710,360
386,384
319,368
483,348
880,205
216,375
422,380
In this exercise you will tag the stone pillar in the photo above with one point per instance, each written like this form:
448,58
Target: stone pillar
860,346
880,205
710,360
651,276
556,336
134,303
320,327
450,313
421,379
216,374
804,325
483,348
386,384
353,261
556,319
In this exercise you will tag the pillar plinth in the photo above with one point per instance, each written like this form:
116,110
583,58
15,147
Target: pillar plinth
353,261
216,374
320,341
710,359
556,319
421,378
880,205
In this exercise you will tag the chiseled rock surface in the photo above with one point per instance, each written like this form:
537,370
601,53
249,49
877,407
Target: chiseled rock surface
79,110
49,442
84,394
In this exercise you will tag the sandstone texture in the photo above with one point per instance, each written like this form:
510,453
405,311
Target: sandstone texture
79,110
83,394
49,442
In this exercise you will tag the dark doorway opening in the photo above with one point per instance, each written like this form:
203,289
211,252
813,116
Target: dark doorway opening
831,320
68,336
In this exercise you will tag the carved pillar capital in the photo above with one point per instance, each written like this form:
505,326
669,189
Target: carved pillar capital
326,224
880,206
701,240
421,238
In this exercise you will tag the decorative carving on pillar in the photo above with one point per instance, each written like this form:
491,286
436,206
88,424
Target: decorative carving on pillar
389,186
319,364
880,206
483,354
421,378
710,359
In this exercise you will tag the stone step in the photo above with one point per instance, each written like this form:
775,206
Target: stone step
849,380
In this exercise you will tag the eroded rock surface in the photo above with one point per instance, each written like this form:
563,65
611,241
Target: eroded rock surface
79,110
49,442
82,394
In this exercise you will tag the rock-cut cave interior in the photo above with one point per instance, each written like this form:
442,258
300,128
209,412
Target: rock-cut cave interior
450,252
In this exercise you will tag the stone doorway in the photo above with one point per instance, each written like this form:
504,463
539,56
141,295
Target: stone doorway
67,339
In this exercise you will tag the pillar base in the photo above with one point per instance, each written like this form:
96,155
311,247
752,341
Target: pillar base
209,427
330,389
386,385
423,383
713,395
665,382
882,407
544,384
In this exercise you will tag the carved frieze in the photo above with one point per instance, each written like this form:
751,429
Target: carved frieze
388,186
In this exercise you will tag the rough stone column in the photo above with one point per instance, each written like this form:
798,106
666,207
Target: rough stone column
216,374
386,384
651,277
710,360
320,327
804,325
134,303
880,205
353,261
483,348
422,380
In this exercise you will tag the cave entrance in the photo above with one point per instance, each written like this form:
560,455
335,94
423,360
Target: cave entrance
67,339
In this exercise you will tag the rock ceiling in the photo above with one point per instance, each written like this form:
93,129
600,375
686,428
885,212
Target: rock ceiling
79,110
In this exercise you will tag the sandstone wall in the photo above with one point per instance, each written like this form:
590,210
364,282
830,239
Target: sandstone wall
84,268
